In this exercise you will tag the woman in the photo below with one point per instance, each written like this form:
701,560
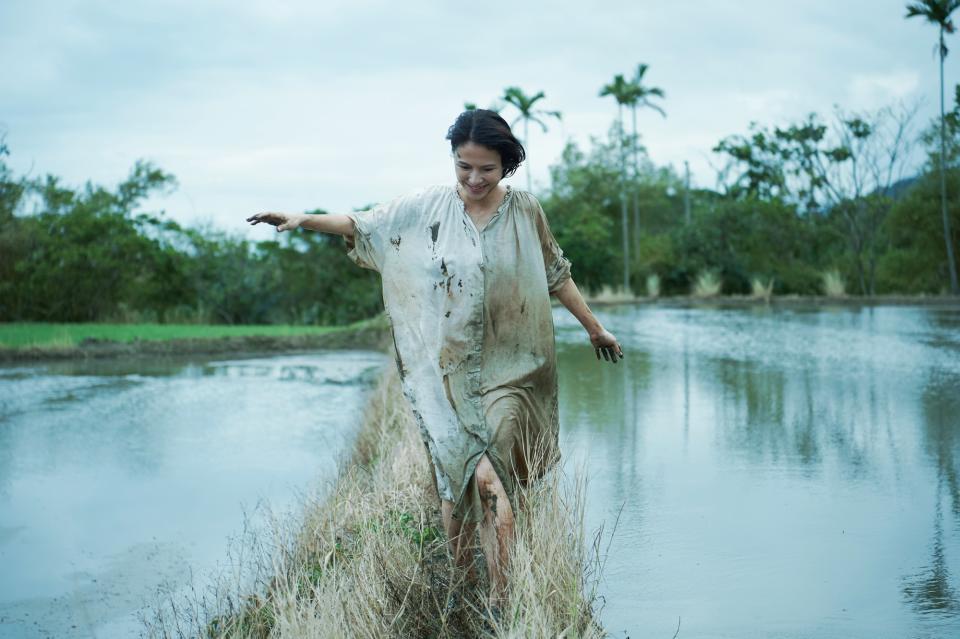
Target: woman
467,273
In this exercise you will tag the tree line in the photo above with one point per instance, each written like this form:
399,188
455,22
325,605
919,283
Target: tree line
828,204
794,202
88,254
828,198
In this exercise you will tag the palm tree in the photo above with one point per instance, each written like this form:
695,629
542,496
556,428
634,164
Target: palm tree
495,106
524,104
938,12
623,92
640,98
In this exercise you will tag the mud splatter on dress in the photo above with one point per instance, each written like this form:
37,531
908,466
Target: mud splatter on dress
470,311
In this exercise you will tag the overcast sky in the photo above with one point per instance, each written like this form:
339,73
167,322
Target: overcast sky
291,106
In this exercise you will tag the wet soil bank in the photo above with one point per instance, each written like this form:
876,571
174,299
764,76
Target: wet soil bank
373,335
783,300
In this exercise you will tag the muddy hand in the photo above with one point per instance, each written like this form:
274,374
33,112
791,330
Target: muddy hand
282,221
605,344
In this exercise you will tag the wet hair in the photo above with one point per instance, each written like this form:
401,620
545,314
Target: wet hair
488,129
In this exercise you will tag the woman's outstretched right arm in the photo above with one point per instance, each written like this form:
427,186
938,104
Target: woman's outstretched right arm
332,223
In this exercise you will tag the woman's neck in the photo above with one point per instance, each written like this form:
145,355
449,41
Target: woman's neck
490,201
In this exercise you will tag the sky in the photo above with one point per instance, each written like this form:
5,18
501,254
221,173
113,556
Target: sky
292,106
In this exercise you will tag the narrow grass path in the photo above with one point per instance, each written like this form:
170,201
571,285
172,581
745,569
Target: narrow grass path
367,559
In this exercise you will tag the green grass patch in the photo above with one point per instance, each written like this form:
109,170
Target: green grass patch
51,335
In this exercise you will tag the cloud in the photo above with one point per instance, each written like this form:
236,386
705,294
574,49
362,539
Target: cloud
878,89
340,103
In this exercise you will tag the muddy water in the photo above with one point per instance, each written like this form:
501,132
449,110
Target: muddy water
776,473
125,478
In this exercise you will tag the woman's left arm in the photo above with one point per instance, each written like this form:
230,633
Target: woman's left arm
560,283
603,340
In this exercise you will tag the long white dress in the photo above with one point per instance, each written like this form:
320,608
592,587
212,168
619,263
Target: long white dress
473,330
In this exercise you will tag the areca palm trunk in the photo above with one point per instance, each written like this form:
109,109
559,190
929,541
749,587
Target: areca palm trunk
948,237
623,207
635,187
526,140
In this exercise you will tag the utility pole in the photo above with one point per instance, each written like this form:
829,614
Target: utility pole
686,192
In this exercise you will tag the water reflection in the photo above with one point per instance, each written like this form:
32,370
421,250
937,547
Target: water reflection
610,401
941,434
931,589
805,459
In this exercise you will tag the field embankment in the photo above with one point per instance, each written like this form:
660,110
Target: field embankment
40,341
369,559
24,342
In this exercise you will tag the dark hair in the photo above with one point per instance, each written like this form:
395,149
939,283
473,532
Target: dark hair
488,129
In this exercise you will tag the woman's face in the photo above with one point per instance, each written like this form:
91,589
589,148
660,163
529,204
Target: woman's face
479,169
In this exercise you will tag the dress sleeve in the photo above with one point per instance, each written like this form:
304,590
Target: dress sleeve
375,228
556,265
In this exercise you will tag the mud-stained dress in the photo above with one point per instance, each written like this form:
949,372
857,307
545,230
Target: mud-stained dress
470,312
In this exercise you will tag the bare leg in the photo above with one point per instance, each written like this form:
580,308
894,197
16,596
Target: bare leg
496,530
459,539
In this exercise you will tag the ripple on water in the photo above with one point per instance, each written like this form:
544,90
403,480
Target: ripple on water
892,338
117,475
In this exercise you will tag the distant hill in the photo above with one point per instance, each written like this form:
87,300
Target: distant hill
898,189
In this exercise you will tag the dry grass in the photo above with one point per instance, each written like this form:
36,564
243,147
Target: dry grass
552,585
370,559
833,284
707,284
761,290
610,295
653,286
